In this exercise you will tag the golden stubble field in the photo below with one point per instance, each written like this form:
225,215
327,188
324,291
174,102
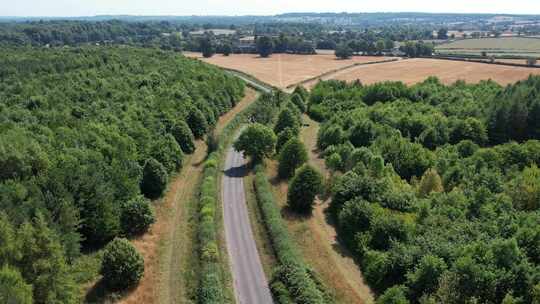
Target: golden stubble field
282,70
412,71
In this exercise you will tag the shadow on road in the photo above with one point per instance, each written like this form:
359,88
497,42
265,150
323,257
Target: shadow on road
236,171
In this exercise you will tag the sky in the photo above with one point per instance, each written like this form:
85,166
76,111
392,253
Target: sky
69,8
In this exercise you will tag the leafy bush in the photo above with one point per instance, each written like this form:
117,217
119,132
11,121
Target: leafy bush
137,216
197,123
122,266
154,180
292,156
287,119
184,137
13,288
283,137
305,185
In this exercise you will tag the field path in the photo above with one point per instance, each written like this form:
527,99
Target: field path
250,284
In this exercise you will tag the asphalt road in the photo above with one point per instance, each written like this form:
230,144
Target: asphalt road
250,284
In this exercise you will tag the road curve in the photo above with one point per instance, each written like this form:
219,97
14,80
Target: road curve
250,284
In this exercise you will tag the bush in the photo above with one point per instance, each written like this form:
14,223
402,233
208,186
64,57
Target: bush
197,123
305,185
394,295
343,51
154,180
287,119
299,102
13,288
183,135
137,216
292,156
122,266
283,137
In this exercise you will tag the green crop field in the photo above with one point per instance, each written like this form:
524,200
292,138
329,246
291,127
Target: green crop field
512,46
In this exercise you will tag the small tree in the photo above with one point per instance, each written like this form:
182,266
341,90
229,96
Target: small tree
287,119
13,288
343,51
283,137
394,295
207,47
430,182
265,46
137,216
183,135
300,90
154,180
122,266
532,61
292,156
298,101
197,123
227,49
257,141
305,185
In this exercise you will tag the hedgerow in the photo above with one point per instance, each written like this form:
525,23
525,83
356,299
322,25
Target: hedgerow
292,279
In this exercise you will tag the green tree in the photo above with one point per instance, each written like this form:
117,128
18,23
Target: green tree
122,266
425,278
227,49
362,134
298,101
525,189
292,156
343,51
137,216
13,288
431,182
154,180
283,137
256,141
304,186
265,46
43,264
183,135
207,47
167,151
197,123
287,119
394,295
442,34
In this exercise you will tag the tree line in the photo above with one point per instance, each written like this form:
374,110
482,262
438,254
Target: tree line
436,187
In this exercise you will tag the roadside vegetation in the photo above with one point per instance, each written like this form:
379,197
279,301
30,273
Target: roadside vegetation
435,187
84,134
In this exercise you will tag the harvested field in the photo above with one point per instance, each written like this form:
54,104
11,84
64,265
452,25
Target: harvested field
282,70
493,46
417,70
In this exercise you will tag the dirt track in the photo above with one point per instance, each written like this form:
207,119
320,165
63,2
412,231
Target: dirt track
250,284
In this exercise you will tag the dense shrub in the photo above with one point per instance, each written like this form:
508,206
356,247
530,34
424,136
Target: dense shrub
287,119
197,122
13,288
154,180
137,216
122,266
292,156
283,137
184,137
305,185
298,101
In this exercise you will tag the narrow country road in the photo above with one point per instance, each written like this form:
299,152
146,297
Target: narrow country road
250,284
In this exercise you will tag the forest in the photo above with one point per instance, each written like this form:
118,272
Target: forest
88,136
436,189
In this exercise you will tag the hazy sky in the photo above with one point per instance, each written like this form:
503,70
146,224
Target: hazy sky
258,7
